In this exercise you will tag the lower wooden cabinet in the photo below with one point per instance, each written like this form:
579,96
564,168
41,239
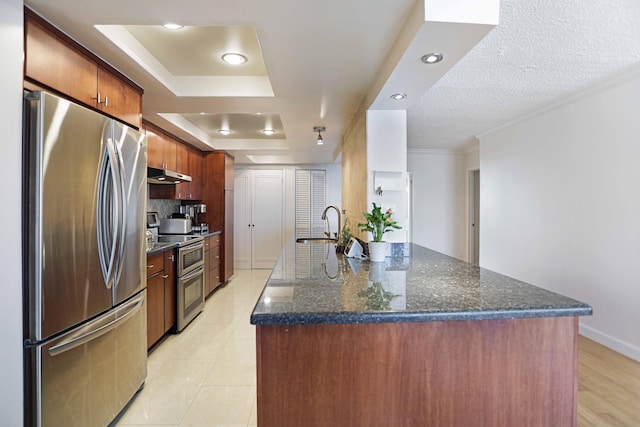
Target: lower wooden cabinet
170,290
212,265
161,295
155,308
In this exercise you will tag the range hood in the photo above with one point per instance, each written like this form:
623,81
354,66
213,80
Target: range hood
163,176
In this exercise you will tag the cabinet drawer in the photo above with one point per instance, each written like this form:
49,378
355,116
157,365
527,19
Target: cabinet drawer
214,258
155,263
214,240
214,279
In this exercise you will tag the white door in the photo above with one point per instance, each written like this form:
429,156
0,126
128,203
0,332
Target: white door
267,214
258,218
242,221
474,217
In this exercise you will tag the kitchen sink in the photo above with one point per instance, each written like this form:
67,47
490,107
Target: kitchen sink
308,240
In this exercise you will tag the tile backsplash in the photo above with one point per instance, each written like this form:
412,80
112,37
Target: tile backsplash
164,207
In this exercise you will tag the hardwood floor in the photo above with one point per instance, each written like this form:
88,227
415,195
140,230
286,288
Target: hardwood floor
608,387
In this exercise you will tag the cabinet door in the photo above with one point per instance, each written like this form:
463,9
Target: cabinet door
154,147
169,152
228,235
229,165
267,218
195,170
119,99
155,308
182,166
207,263
169,290
242,220
53,63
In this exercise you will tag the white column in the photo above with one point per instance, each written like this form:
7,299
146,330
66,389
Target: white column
387,152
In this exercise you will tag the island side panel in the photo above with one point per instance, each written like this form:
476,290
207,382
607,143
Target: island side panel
462,373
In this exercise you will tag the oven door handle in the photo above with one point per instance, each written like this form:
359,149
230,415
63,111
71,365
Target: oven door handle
192,274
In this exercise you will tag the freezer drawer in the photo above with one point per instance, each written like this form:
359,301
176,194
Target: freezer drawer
85,377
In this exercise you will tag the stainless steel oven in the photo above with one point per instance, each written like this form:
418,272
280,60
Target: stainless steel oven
190,281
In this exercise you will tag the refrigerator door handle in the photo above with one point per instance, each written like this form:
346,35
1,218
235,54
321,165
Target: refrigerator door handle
99,328
121,215
108,208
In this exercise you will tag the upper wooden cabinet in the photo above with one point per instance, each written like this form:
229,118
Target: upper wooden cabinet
161,148
118,99
55,61
187,161
229,165
52,62
195,170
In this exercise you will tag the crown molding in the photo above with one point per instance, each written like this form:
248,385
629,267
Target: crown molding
595,87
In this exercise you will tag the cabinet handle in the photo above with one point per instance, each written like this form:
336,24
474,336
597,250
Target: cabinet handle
217,257
150,266
172,259
165,276
105,102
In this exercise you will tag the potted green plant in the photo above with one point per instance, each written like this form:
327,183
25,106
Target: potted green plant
377,224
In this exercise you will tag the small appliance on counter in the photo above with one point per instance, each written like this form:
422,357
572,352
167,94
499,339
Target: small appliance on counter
175,226
193,212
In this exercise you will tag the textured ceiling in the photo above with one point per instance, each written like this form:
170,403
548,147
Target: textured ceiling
541,51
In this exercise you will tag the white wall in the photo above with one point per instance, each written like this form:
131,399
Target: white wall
387,152
560,205
439,200
11,34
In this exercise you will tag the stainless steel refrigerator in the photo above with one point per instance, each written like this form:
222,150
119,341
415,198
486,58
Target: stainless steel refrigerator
85,281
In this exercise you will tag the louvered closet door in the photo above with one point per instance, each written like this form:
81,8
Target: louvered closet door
310,202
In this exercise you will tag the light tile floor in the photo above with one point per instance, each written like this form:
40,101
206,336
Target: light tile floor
206,375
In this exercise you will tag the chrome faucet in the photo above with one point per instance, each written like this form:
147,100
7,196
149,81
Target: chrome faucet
324,217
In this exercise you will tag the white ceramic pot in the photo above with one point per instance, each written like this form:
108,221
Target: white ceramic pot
377,251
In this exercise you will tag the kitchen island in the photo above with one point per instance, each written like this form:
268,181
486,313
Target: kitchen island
420,340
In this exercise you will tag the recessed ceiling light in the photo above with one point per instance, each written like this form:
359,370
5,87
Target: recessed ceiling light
202,113
432,58
234,58
225,131
268,131
398,96
173,26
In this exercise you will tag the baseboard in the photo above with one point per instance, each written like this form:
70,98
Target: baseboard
620,346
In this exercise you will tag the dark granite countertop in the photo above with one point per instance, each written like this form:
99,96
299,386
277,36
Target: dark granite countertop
160,247
311,284
165,246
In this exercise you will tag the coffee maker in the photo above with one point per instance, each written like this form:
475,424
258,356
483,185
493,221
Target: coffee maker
193,212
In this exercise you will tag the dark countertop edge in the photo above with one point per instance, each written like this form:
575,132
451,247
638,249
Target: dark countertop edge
169,246
398,317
